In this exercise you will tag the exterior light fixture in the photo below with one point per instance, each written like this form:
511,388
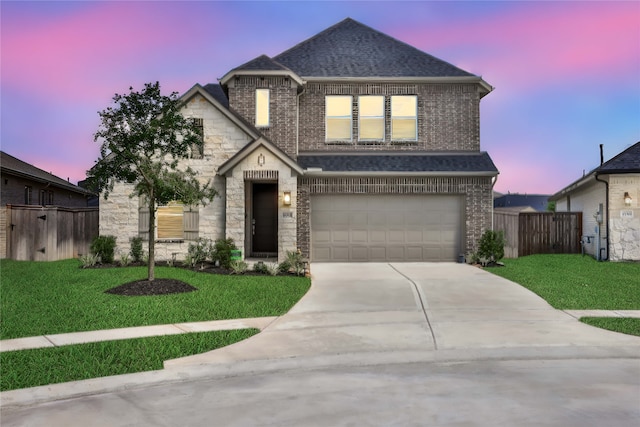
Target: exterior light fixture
286,198
627,199
261,159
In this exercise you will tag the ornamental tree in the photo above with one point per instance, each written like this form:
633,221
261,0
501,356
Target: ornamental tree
143,137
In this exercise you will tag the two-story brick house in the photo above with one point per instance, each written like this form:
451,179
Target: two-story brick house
351,146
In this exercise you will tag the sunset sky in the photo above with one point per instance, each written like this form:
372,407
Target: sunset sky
566,74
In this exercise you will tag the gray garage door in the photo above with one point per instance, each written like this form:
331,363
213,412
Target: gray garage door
386,227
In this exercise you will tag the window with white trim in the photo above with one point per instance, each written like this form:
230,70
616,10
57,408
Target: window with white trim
262,107
338,118
371,118
404,118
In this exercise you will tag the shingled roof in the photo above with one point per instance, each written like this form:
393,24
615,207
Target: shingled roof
626,162
352,49
15,166
401,162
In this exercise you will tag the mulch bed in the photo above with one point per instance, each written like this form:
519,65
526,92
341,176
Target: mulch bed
157,287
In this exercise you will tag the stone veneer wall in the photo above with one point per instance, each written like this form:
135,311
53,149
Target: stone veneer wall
477,192
624,221
249,170
448,116
283,107
119,215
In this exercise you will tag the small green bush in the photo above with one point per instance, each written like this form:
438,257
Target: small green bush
89,260
199,251
491,246
260,267
294,263
136,249
238,267
104,247
221,252
124,259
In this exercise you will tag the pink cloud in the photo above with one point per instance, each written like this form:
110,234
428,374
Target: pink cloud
79,56
538,42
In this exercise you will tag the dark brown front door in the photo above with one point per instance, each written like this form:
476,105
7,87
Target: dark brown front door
265,219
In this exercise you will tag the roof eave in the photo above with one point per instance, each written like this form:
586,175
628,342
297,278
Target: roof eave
313,172
233,73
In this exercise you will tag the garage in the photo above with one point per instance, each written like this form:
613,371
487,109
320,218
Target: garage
359,227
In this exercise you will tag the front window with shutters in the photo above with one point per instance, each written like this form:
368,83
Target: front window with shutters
170,221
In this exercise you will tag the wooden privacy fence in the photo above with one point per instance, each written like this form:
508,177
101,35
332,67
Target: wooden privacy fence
528,233
49,233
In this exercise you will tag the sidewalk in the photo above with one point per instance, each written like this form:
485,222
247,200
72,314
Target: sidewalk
135,332
261,323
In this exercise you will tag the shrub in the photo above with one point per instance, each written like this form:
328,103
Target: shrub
221,251
294,263
260,267
272,269
89,260
198,251
104,247
491,247
238,266
124,259
136,249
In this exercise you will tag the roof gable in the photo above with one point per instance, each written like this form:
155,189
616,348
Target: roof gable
250,148
352,49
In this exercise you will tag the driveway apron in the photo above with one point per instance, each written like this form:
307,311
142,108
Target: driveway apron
356,308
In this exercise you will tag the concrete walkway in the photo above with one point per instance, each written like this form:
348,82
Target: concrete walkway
425,317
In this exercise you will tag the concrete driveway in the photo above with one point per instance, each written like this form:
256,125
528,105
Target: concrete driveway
412,307
377,344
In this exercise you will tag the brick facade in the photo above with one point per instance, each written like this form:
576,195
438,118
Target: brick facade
476,191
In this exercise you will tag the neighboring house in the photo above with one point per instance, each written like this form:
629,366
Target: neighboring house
608,199
350,146
25,184
538,202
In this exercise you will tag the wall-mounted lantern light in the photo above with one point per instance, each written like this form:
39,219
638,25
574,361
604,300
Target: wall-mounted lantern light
286,198
261,159
627,199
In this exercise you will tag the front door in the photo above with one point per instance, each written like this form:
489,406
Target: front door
264,219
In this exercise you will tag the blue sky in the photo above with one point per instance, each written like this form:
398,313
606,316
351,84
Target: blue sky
566,74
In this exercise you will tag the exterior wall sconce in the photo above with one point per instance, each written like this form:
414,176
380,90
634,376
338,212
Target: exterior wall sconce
627,199
286,198
261,159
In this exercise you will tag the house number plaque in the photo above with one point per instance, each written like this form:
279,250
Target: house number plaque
627,213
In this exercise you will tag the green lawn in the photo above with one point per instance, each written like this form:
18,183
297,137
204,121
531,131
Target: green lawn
31,368
626,325
40,298
576,282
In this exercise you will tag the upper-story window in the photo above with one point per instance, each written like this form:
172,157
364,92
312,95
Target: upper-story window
338,118
404,118
371,118
262,107
197,150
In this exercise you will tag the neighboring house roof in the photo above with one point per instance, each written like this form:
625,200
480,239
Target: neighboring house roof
423,163
538,202
15,166
628,161
514,209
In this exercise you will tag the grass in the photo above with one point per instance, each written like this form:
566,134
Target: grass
30,368
39,298
626,325
576,282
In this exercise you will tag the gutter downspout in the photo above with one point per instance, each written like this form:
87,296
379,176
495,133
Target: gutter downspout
606,205
606,208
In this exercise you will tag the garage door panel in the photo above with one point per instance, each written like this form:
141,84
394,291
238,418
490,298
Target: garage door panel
386,227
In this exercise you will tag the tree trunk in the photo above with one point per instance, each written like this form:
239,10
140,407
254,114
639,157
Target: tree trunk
152,237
